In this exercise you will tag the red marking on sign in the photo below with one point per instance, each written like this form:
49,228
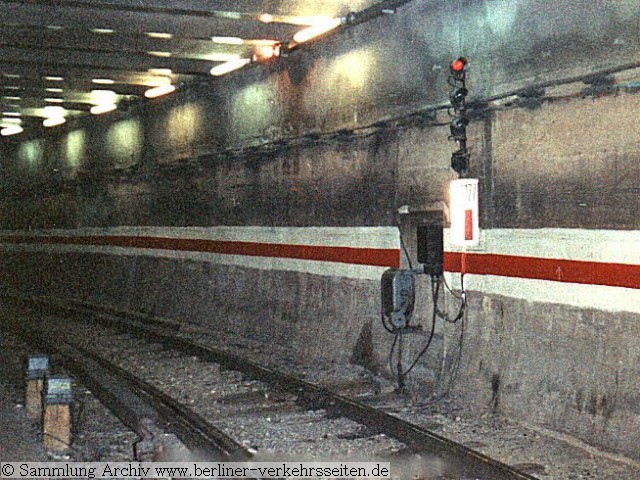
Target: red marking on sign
468,224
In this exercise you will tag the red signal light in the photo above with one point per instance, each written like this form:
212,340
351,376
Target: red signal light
458,65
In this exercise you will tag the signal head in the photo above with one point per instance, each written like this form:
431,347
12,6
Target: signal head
457,97
458,128
460,161
457,66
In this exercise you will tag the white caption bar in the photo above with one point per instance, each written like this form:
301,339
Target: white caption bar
195,470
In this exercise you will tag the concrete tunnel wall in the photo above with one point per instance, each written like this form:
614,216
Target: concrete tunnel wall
329,138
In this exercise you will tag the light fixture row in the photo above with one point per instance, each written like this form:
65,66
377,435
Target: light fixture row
104,101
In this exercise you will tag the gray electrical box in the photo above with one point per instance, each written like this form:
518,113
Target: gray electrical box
38,367
58,390
398,289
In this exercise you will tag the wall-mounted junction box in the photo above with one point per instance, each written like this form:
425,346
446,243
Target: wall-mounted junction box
430,242
398,296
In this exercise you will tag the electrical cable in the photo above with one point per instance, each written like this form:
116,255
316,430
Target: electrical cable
455,369
383,318
446,284
393,347
404,249
434,295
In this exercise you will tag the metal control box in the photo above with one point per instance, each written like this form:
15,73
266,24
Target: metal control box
398,289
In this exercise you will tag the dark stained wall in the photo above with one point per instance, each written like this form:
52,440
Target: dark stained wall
385,69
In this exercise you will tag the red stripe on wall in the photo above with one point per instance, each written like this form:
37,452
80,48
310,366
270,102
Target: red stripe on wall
557,270
378,257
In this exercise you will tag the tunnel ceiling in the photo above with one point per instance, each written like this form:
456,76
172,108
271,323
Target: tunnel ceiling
57,53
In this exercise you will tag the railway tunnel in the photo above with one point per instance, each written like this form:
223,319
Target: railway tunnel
249,171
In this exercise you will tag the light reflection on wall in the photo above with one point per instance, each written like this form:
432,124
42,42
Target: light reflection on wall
346,81
74,149
352,69
183,126
253,109
124,142
500,16
31,152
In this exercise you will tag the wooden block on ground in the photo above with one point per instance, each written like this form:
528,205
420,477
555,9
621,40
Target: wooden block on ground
57,427
33,399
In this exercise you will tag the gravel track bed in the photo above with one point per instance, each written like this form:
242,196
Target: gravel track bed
249,411
534,451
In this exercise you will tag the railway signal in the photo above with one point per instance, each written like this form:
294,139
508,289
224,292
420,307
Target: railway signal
458,126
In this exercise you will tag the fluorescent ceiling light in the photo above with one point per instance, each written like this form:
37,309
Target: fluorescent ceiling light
11,87
159,54
266,18
50,111
12,75
101,97
53,121
222,57
12,120
229,66
103,108
55,27
161,71
228,40
12,98
101,30
11,130
11,114
162,35
232,15
54,100
54,79
159,91
103,81
316,30
53,90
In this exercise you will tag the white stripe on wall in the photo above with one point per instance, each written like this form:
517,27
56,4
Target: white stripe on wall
610,246
572,244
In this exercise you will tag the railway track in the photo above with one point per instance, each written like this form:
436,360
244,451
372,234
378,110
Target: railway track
286,403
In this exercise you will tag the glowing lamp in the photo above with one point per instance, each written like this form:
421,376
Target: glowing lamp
265,52
229,66
12,120
159,91
11,130
102,97
457,66
103,108
51,111
53,121
463,208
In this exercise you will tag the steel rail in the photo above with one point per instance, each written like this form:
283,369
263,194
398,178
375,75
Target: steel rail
461,461
132,400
